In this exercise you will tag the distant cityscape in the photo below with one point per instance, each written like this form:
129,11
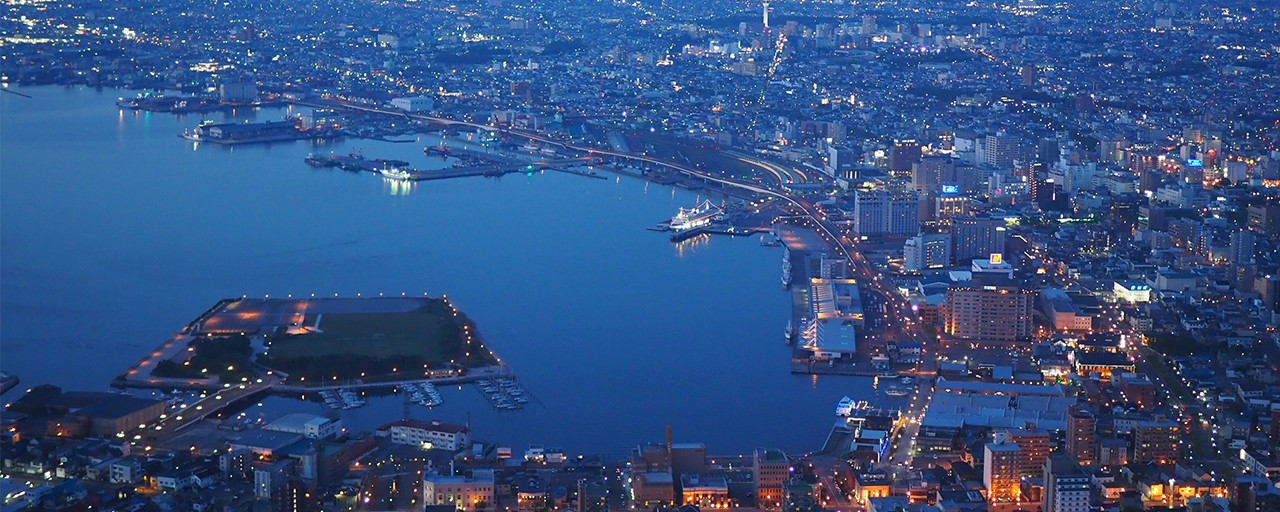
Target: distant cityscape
1048,232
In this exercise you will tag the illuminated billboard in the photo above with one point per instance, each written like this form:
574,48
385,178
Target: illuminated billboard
1194,162
950,189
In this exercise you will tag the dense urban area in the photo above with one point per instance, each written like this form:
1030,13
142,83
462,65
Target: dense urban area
1048,230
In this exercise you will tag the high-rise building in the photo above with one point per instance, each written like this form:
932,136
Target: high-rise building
1082,436
948,206
1001,150
1268,287
941,174
839,159
985,312
1241,276
1152,217
299,496
884,212
932,172
903,154
1265,219
1066,486
1275,425
1001,471
1034,444
772,470
869,25
926,251
1155,441
1124,211
1029,75
973,237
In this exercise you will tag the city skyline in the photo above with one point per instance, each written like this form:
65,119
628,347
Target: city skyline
1030,255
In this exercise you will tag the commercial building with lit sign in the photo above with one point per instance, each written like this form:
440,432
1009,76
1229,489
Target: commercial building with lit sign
994,265
1132,292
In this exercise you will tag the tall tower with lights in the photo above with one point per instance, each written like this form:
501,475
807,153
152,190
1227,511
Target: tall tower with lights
766,15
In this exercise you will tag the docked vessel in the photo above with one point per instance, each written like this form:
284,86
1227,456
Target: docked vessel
396,173
845,407
7,382
696,217
896,391
786,269
790,332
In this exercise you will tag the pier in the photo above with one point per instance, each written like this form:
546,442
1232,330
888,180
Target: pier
399,169
681,236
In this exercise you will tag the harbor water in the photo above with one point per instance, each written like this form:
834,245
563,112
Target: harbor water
114,233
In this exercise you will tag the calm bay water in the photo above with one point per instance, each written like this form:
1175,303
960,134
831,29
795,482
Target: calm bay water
114,233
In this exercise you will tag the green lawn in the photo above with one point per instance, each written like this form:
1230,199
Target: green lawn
424,332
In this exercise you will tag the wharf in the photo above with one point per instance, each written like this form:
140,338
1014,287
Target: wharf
353,162
498,170
714,230
807,367
399,169
472,375
189,105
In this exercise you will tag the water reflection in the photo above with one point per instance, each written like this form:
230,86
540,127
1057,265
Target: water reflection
398,187
692,244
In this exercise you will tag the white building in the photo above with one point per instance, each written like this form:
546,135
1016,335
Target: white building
1067,487
926,251
1132,291
270,478
460,491
995,264
883,212
417,104
429,434
126,471
310,426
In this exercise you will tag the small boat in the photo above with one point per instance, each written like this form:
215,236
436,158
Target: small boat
789,332
908,380
889,374
897,391
786,269
845,407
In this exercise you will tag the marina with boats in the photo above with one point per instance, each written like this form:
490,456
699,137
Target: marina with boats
503,394
422,393
342,399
